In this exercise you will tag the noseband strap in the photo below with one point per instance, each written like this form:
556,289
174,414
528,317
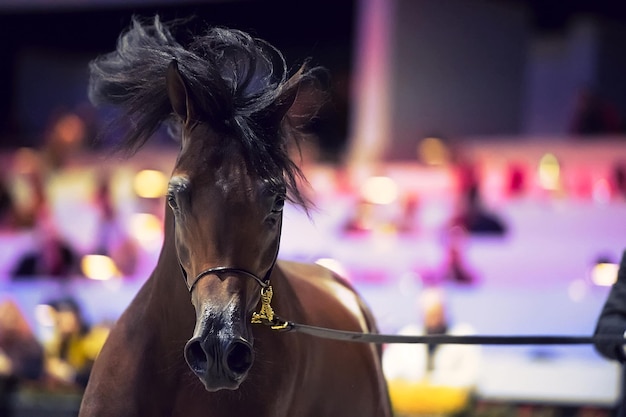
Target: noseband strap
220,270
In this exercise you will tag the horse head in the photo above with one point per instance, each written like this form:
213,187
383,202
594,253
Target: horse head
228,219
228,99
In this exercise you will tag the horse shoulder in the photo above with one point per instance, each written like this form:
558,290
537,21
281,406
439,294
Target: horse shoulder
322,289
328,300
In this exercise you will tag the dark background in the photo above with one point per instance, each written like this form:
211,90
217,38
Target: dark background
44,51
45,47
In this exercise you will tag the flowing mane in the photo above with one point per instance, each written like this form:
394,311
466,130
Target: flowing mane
238,80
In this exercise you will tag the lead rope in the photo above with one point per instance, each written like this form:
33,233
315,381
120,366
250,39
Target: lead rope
266,316
349,336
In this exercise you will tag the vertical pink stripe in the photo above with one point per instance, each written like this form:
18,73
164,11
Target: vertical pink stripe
369,132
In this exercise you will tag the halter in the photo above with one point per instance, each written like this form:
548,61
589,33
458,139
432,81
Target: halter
264,282
266,314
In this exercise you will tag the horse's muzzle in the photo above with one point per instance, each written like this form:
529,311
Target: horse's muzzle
219,364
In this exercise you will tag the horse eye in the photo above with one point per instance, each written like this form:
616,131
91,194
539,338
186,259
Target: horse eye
279,204
171,201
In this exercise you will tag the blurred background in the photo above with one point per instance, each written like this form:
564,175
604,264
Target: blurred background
472,149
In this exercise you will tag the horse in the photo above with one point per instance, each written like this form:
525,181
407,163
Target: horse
186,344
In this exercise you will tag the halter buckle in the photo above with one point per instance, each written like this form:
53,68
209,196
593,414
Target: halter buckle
266,314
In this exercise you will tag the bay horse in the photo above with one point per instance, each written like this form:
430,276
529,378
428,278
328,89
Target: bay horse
185,346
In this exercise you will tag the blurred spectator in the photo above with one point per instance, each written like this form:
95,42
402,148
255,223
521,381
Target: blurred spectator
594,115
28,170
473,216
64,136
612,321
455,268
516,181
21,355
619,179
8,215
52,256
448,365
361,221
113,241
431,379
72,350
408,220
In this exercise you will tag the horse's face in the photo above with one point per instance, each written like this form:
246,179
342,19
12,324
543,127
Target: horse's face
224,217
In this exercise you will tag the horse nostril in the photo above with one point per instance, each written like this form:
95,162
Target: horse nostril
196,357
239,357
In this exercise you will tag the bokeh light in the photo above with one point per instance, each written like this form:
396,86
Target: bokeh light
98,267
147,229
549,172
432,151
44,315
334,265
379,190
604,274
150,183
577,290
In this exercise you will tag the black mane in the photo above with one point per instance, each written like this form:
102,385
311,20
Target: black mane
235,79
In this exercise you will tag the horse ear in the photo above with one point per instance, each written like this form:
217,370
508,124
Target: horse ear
177,92
304,96
288,96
